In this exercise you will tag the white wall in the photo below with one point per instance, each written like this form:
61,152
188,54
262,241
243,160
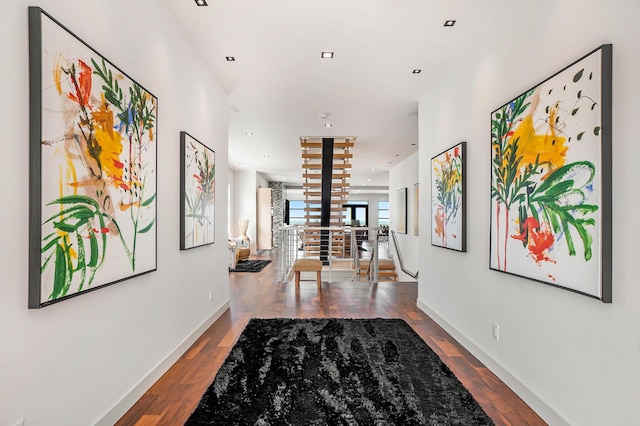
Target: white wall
405,175
372,199
573,359
261,181
244,199
72,362
233,222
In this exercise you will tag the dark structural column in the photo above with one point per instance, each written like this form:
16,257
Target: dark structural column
325,201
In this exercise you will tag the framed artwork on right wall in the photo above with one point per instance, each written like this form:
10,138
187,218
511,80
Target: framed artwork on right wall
551,180
448,199
401,210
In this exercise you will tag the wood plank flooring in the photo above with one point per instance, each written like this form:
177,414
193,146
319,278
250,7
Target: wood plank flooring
175,395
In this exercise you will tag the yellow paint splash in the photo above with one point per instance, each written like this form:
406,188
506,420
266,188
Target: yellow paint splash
547,146
109,141
57,74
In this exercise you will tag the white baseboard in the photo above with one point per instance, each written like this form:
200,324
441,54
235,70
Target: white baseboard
543,409
127,401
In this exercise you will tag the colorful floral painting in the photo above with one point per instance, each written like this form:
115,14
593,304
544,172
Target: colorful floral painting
198,172
550,179
448,215
93,154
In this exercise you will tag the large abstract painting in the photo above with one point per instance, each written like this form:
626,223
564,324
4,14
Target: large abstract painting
93,168
197,201
551,180
448,204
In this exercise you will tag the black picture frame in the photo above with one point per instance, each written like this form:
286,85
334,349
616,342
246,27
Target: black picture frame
401,209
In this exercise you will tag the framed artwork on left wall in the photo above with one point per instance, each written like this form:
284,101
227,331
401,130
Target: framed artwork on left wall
197,193
93,176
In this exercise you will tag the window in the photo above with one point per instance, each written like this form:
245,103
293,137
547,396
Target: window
383,213
296,212
356,211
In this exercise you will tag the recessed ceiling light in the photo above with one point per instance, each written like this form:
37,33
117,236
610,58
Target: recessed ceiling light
327,55
248,133
201,2
328,125
230,58
416,71
449,23
368,180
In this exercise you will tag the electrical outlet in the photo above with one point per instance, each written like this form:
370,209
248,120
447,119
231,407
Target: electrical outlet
496,332
210,295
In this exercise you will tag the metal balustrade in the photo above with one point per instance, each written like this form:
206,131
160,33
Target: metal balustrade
315,242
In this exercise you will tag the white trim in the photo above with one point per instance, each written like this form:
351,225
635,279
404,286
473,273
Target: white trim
543,409
129,399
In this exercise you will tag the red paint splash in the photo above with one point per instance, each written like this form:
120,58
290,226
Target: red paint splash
539,239
530,224
539,244
82,85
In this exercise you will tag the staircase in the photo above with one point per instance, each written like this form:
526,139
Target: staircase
325,170
386,269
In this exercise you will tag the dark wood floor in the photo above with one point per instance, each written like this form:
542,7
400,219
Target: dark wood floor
259,295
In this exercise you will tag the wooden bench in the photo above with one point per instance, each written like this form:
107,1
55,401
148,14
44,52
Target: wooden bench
307,265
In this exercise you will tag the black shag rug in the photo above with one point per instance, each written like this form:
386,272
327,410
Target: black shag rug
335,372
250,265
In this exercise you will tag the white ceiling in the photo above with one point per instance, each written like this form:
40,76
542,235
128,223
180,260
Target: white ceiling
279,85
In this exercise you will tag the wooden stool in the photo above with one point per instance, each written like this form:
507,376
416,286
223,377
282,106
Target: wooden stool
307,265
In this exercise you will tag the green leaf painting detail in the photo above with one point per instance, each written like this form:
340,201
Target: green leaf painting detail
199,195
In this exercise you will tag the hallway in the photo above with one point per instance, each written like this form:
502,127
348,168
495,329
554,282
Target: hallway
171,400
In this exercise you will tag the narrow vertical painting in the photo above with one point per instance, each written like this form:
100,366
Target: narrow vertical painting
401,209
448,203
416,209
551,180
197,201
92,168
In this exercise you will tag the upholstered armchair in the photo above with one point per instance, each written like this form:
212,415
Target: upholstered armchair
242,247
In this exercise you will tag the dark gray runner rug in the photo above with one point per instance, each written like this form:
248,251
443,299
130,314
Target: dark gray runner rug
250,265
335,372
